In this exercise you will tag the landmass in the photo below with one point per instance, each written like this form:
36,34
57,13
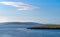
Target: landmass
20,23
46,27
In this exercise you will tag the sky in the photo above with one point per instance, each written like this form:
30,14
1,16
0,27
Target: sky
40,11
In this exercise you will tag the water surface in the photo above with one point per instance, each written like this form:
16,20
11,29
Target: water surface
21,31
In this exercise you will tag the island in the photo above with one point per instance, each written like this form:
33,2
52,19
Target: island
46,27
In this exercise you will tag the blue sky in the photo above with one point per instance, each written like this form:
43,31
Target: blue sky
40,11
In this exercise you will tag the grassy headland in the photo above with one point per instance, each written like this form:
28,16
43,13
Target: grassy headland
46,27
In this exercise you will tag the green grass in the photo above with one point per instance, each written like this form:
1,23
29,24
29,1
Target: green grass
47,26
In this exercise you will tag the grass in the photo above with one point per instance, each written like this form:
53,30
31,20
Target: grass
50,26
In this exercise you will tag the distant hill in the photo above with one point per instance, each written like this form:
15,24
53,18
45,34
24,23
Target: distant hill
21,23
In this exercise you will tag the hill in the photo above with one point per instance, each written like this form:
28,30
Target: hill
20,23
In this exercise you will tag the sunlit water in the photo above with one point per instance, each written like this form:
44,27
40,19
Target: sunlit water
21,31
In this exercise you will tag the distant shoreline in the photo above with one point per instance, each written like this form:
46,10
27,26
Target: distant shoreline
46,27
43,28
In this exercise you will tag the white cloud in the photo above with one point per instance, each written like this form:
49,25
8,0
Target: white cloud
3,19
20,5
13,19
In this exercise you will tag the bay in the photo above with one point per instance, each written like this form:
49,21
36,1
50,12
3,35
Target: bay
22,31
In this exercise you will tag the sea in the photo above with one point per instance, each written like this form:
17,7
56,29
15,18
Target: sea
22,31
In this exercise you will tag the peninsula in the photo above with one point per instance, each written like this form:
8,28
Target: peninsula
46,27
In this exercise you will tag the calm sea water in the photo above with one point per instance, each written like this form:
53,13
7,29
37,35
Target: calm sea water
21,31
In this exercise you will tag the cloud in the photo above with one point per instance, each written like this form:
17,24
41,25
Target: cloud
20,5
14,19
3,19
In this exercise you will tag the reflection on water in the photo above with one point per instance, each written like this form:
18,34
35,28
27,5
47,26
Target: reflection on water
23,32
6,35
